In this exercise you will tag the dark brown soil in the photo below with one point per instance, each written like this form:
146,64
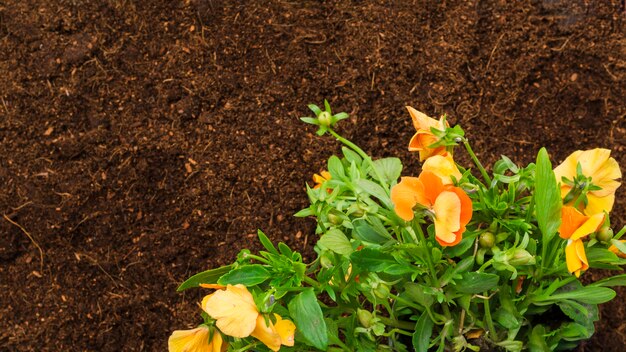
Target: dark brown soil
143,141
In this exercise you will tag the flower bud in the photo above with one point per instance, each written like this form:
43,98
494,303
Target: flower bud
325,119
334,218
381,291
605,234
521,257
365,318
486,240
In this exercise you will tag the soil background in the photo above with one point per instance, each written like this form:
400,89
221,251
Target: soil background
144,141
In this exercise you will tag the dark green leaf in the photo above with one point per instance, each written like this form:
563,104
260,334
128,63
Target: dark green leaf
248,275
537,341
422,334
588,294
309,320
372,259
265,241
506,319
367,233
619,280
205,277
336,241
473,282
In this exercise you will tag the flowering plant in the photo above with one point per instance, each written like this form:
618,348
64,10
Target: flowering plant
445,261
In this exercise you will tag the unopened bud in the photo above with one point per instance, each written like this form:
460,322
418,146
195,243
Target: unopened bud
335,219
325,118
382,291
521,257
365,318
487,240
605,234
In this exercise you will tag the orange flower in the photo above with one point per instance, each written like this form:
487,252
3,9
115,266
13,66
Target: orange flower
452,208
424,138
601,169
615,250
444,167
237,315
319,179
196,340
574,227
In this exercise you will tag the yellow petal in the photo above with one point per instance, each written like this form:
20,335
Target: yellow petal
218,344
597,205
615,250
447,210
606,177
442,166
233,309
194,340
575,257
592,161
421,121
589,226
286,329
266,333
568,167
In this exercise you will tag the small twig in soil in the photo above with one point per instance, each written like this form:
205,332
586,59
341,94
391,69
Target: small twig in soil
31,239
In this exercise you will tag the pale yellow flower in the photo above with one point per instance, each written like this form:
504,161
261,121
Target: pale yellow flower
274,335
196,340
603,171
444,167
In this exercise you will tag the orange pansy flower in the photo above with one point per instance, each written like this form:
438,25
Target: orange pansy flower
424,138
574,227
452,208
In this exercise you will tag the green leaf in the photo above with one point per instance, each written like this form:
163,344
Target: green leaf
265,241
588,294
574,332
335,167
506,319
420,294
248,275
309,320
304,213
375,190
388,168
619,280
351,156
460,268
336,241
473,282
310,120
619,244
316,110
205,277
372,259
423,332
367,233
547,197
537,341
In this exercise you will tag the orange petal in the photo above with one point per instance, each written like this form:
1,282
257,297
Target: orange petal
405,196
466,204
233,309
615,250
213,286
442,166
421,121
589,226
432,187
266,333
447,209
571,220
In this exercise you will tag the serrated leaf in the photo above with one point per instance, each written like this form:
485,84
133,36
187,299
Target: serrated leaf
205,277
248,275
307,315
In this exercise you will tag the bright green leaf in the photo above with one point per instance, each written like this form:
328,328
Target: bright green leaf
547,197
205,277
248,275
307,315
336,241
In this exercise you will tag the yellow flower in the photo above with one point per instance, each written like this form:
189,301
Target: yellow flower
444,167
575,226
600,169
452,208
319,179
424,138
236,315
196,340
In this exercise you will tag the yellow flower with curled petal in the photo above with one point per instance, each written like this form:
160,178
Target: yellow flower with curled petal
595,184
237,315
423,137
444,167
574,227
196,340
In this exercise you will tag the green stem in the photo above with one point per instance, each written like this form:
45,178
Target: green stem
257,258
404,325
312,282
363,155
477,162
492,330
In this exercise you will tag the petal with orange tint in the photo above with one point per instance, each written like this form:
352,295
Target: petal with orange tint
447,210
616,250
444,167
213,286
233,309
466,204
193,340
567,168
575,257
599,204
592,161
432,188
266,333
286,329
571,220
606,177
589,226
405,195
421,121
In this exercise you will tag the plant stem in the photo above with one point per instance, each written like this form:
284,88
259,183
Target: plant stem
492,330
257,258
477,162
363,155
311,282
404,325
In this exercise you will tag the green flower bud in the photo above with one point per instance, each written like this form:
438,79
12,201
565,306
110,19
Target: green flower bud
365,318
381,291
521,257
325,119
334,218
487,240
605,234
